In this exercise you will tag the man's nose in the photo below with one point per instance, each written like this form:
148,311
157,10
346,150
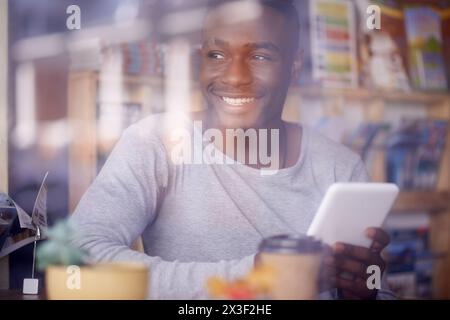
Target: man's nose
237,73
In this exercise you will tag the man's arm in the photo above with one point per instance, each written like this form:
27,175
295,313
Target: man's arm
119,205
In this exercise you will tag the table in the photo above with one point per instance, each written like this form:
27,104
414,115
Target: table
16,294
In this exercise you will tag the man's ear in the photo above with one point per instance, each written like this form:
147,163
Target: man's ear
297,67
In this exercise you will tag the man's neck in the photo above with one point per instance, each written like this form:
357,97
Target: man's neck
212,121
270,138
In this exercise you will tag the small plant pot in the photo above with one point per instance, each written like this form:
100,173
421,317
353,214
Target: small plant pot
110,281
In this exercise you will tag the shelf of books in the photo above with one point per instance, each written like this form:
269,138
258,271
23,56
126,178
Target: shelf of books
359,94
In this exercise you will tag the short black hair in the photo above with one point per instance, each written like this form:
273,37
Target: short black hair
286,7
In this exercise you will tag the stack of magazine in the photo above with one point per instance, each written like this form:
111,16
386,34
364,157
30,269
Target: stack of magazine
414,153
32,226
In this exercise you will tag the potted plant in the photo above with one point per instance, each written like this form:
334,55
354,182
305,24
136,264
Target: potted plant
69,276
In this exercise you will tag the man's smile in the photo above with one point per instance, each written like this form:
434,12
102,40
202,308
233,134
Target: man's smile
235,102
234,99
238,101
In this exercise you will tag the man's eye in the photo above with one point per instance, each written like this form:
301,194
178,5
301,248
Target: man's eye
216,55
260,57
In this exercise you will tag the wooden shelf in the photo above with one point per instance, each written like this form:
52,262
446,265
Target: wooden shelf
430,98
422,201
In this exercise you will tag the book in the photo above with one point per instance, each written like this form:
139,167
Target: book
143,58
425,48
383,54
414,153
410,262
32,226
446,39
361,140
333,38
7,216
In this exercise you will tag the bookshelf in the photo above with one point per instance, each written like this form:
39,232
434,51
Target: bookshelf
83,151
430,99
433,202
375,105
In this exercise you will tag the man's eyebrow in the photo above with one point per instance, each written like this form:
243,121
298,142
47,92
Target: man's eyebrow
253,45
217,42
263,45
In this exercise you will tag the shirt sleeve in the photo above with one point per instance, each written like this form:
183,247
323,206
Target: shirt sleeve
122,201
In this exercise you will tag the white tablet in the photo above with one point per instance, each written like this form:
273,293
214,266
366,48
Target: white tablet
348,209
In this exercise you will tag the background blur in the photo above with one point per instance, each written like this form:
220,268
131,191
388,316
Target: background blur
384,93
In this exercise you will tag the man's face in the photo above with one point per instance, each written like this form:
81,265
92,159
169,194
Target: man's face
246,67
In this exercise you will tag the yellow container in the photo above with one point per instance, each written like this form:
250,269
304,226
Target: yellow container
109,281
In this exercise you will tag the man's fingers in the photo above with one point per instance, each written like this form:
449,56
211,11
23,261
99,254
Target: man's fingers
351,266
329,271
377,247
359,253
354,286
327,251
380,238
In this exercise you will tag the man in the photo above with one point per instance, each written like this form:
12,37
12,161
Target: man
203,219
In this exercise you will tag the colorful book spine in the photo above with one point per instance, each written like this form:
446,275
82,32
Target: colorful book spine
410,263
414,154
143,58
334,59
425,48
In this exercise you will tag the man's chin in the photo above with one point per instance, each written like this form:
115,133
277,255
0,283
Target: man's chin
242,120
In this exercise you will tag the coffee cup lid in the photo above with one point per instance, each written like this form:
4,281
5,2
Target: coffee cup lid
291,243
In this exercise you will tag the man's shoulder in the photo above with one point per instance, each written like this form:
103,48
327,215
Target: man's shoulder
160,131
150,125
154,127
145,134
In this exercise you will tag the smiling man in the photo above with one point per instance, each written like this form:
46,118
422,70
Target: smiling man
207,219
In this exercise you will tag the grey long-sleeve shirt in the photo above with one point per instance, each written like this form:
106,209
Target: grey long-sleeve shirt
200,220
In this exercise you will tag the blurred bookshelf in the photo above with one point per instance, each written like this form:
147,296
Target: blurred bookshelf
359,94
87,147
433,202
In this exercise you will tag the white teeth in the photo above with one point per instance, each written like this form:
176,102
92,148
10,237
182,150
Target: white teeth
238,101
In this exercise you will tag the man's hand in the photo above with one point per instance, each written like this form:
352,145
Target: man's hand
347,265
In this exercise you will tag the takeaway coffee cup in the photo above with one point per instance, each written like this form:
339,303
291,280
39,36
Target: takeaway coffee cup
296,262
